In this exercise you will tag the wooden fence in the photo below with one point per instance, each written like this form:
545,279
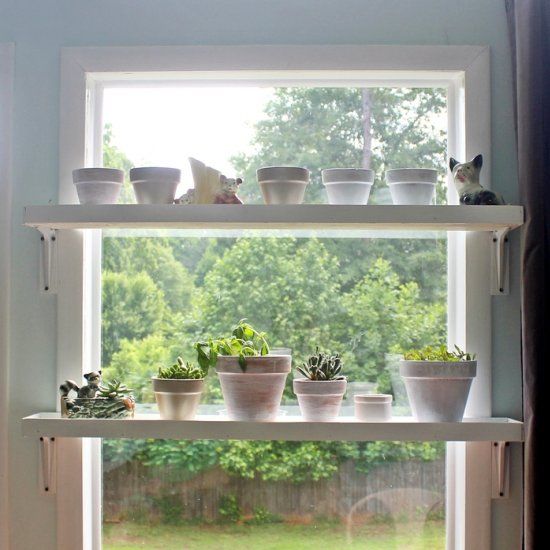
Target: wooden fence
398,489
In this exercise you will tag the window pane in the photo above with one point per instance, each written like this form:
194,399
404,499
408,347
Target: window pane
368,298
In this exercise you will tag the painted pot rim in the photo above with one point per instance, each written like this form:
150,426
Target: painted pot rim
160,174
177,385
257,364
347,175
373,398
305,386
295,174
437,369
98,175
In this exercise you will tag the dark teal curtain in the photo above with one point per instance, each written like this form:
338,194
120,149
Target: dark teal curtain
529,24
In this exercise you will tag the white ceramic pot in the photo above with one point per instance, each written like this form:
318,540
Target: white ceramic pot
155,185
347,185
412,185
437,390
319,400
98,185
177,399
375,407
255,394
283,184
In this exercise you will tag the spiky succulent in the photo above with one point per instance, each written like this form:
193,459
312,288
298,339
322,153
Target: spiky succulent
114,389
181,371
322,366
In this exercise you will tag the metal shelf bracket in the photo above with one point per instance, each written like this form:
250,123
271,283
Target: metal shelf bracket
500,467
47,465
48,259
500,262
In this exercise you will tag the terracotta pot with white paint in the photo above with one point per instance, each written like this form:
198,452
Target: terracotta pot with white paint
438,390
253,395
319,400
177,398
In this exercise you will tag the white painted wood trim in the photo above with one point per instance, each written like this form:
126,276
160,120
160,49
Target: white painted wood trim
289,428
469,64
7,69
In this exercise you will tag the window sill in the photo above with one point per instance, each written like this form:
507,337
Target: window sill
288,428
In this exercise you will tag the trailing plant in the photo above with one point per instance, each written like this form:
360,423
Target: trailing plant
114,389
322,366
245,341
441,353
182,371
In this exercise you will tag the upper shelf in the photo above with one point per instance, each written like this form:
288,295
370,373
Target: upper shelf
306,216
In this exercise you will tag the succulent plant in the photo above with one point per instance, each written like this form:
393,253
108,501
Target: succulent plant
181,371
322,366
114,389
441,353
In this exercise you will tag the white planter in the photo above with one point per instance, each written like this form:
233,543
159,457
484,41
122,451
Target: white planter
155,185
319,400
177,399
255,394
374,407
283,184
98,185
412,185
347,185
438,391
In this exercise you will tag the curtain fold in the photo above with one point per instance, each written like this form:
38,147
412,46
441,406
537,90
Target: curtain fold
529,25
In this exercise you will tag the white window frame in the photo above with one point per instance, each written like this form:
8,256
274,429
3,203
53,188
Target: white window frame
85,72
7,56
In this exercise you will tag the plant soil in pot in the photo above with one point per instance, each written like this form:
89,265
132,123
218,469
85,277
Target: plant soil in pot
438,383
412,185
283,184
178,390
347,185
322,389
155,185
252,379
98,185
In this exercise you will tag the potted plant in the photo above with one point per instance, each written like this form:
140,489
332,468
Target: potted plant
438,382
322,389
252,379
411,185
96,400
178,390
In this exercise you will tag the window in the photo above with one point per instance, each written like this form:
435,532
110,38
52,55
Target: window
80,327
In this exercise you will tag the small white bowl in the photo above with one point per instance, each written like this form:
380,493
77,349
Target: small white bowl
374,407
155,185
283,184
98,185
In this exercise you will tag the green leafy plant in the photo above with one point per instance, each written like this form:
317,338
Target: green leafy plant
440,353
245,341
262,516
322,366
229,509
114,389
182,371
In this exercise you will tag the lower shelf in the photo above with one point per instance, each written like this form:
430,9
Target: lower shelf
288,428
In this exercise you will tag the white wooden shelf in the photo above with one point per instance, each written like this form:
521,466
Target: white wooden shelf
146,426
305,216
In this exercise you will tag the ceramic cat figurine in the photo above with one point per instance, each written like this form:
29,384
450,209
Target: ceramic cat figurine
466,179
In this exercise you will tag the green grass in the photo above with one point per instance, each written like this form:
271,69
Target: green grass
381,536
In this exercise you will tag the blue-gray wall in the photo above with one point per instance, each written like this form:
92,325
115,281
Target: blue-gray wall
40,28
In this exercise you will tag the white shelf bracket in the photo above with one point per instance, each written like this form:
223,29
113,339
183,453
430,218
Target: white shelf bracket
48,259
500,262
500,469
47,468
